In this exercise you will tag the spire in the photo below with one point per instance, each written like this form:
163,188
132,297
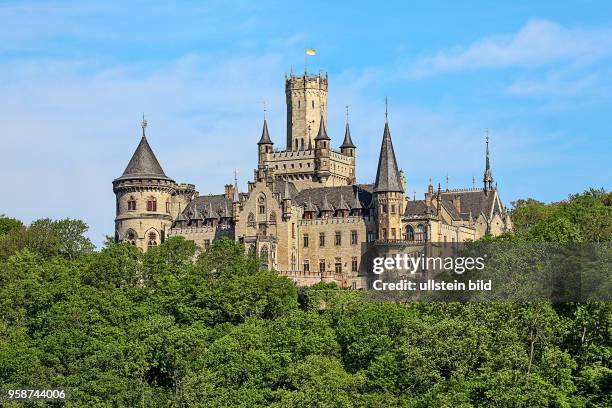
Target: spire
387,175
180,216
348,142
342,205
196,214
488,175
309,206
357,205
211,214
326,206
236,196
143,163
322,135
265,136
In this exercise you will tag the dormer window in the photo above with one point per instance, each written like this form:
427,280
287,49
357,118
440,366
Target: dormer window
131,204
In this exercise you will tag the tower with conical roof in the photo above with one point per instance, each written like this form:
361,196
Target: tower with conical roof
322,152
388,190
347,148
143,199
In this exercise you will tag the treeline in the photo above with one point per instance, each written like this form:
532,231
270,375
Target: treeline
176,327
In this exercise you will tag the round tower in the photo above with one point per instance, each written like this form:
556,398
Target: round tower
322,149
143,199
306,97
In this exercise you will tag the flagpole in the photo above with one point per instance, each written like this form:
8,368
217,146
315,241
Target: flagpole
305,62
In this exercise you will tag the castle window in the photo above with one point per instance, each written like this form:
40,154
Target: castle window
354,264
338,240
273,218
371,236
131,204
152,240
305,240
251,220
353,237
302,144
321,265
131,237
409,233
262,209
338,265
306,265
293,230
168,207
393,233
384,233
312,104
321,239
299,104
152,204
421,234
383,208
392,208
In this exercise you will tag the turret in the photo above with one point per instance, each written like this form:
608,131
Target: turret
343,209
144,199
322,151
326,209
265,144
388,190
235,202
286,202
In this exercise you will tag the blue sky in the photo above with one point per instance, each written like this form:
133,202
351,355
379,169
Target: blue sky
77,76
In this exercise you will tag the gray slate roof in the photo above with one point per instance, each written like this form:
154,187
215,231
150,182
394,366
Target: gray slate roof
144,164
317,195
265,136
205,204
322,135
475,201
418,207
387,175
348,142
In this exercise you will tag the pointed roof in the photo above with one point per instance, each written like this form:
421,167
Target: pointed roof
326,206
286,195
322,135
387,175
196,214
488,174
211,214
342,205
265,136
357,205
348,142
180,217
309,206
143,163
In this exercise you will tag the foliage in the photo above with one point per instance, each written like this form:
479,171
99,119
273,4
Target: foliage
179,327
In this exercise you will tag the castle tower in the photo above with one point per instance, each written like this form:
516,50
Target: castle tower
143,199
322,148
388,191
347,148
306,97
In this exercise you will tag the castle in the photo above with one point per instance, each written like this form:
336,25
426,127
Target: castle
304,214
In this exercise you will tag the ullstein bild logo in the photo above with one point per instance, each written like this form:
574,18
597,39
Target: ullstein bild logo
413,264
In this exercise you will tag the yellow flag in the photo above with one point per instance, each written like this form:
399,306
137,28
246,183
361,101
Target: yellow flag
310,51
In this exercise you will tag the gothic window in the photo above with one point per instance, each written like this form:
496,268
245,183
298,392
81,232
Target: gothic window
338,238
252,250
293,260
273,218
152,240
251,220
321,265
306,265
302,144
321,239
305,240
410,233
152,204
131,204
354,264
371,236
392,208
293,230
131,237
262,209
353,237
421,234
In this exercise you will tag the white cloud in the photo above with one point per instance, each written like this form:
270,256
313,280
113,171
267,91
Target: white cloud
537,43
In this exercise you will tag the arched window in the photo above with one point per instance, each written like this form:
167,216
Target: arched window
272,217
251,220
152,240
131,204
410,233
131,237
421,234
151,204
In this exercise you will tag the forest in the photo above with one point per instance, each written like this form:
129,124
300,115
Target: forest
178,327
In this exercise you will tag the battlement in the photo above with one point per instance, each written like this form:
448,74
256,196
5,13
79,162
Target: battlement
462,190
306,81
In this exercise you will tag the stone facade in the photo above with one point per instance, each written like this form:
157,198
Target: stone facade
304,214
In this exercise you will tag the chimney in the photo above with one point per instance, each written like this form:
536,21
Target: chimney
229,191
457,203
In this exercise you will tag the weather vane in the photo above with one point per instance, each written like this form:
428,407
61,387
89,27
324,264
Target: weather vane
143,124
347,114
386,109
